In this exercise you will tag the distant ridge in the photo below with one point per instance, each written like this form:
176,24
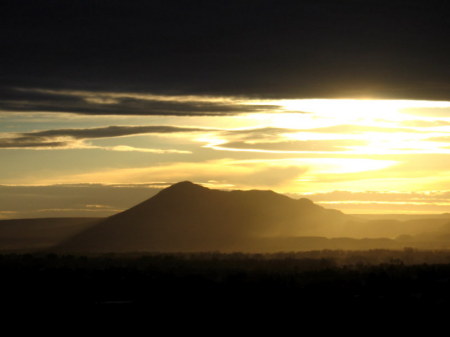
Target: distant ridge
25,235
190,217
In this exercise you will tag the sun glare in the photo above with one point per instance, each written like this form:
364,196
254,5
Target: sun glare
294,113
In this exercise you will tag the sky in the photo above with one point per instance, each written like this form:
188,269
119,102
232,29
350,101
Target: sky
103,103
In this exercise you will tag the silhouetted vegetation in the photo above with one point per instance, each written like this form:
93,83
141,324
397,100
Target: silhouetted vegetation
314,278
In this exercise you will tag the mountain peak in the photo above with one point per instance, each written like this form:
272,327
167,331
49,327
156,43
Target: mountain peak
185,186
183,183
181,189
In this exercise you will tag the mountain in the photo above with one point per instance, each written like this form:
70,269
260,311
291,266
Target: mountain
190,217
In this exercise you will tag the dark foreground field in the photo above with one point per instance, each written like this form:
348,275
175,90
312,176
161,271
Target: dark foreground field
318,279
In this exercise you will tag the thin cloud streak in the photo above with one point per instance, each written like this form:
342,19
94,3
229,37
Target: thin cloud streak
73,138
110,103
358,129
313,146
444,139
426,123
113,131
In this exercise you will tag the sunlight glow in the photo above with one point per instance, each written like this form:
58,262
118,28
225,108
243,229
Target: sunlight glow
354,111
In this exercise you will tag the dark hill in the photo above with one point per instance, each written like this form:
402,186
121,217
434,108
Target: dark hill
189,217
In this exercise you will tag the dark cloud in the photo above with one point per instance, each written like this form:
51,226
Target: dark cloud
111,131
16,100
49,138
29,142
265,48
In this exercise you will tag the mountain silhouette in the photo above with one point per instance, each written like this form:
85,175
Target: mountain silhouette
190,217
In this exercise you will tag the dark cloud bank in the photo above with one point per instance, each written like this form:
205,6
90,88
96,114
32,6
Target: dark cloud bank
265,48
97,103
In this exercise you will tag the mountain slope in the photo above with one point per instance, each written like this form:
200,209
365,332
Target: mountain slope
189,217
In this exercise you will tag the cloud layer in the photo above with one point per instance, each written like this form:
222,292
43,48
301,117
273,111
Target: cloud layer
113,103
385,48
293,146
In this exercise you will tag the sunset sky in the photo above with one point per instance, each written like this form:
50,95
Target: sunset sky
103,103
